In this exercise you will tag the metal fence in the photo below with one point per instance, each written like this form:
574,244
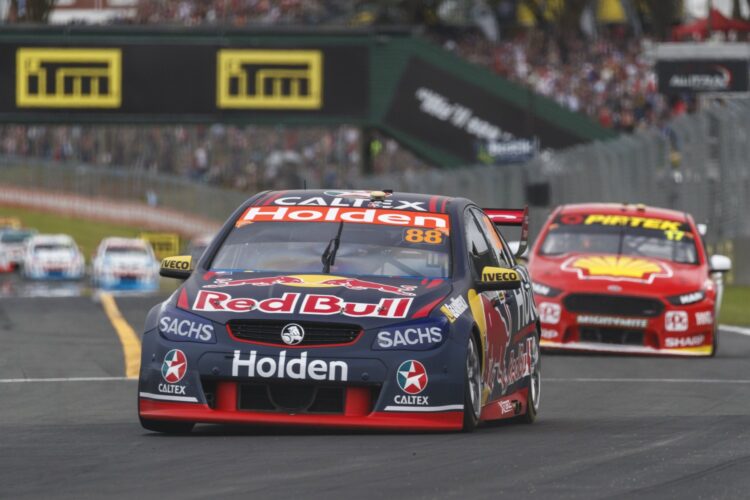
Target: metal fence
111,183
698,164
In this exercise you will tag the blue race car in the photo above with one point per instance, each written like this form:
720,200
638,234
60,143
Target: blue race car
352,309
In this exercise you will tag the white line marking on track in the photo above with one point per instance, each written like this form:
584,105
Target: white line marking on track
735,329
62,379
163,397
652,380
425,408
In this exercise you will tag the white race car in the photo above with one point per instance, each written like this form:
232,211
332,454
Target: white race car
13,244
125,263
52,256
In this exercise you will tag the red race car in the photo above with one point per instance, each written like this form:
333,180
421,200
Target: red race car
626,279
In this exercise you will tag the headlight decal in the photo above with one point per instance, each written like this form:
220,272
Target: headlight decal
687,298
182,327
418,336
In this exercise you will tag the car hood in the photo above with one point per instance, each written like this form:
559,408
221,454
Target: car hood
616,273
370,302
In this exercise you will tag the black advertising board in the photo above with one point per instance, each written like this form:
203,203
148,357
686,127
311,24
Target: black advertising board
207,82
702,75
460,118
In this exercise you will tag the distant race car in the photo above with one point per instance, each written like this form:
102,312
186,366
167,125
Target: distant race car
626,279
13,244
52,256
125,263
345,309
199,245
6,266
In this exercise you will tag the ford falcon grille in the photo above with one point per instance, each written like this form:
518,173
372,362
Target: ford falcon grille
611,335
615,305
316,334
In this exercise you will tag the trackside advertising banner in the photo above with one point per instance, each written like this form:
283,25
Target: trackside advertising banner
188,81
463,119
702,75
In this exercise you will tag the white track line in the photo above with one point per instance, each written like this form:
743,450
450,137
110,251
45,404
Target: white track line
651,380
735,329
62,379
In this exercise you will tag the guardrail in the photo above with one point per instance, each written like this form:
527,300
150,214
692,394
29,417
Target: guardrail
111,183
696,163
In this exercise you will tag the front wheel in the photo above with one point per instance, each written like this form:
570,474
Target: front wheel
715,341
472,386
535,391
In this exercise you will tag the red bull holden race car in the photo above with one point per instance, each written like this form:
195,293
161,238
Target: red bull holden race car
626,279
346,309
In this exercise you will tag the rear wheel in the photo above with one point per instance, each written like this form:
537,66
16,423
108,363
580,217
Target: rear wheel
167,427
472,386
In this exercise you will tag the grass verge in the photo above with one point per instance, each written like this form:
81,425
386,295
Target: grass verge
87,233
734,309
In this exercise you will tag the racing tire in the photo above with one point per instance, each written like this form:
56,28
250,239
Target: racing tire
167,427
714,342
472,386
535,391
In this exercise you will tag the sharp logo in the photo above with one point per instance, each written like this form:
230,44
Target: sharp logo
68,78
269,79
677,342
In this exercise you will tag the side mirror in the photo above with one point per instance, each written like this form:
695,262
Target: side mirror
178,267
720,264
498,278
515,246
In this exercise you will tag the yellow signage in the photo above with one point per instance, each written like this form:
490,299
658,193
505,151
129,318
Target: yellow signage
68,78
269,79
164,244
178,263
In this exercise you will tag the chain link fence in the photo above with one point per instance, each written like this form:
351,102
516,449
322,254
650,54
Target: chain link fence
698,164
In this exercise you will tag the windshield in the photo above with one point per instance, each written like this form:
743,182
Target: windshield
15,236
363,249
52,247
621,235
127,251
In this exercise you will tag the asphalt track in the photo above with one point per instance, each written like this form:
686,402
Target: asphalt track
603,432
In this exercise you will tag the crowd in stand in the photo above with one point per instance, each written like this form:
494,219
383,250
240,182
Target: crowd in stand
607,79
248,158
241,12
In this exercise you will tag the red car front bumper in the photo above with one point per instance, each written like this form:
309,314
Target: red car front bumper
356,414
677,331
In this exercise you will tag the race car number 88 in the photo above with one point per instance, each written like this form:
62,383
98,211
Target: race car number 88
430,236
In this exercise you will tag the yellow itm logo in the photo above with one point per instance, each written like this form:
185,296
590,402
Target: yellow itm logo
269,79
68,78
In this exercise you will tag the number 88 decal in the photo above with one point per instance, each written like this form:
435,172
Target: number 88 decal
429,236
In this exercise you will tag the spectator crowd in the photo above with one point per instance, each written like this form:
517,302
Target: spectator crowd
608,79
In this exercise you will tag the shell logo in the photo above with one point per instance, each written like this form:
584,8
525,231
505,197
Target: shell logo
617,268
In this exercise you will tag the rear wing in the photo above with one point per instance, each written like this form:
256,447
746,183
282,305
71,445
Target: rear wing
518,217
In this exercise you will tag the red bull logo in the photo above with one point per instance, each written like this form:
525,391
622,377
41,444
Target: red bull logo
290,303
317,281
